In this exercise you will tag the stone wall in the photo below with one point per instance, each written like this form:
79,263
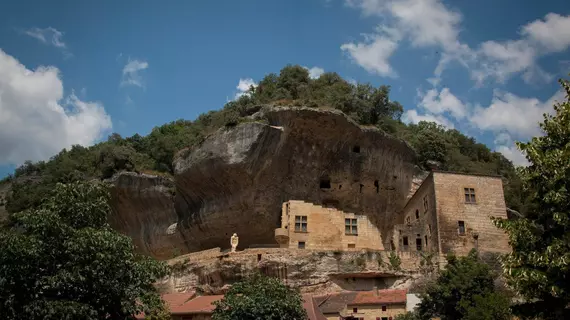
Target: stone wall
452,208
326,228
373,312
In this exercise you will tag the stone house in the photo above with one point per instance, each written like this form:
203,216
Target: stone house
363,305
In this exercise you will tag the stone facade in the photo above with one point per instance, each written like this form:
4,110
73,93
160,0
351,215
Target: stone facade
375,311
308,226
451,212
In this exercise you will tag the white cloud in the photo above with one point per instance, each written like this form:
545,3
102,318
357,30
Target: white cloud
49,36
315,72
429,23
444,101
131,73
373,54
517,116
505,145
412,116
36,120
243,87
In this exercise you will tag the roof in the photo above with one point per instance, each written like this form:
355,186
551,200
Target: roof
311,306
198,305
337,302
173,301
380,297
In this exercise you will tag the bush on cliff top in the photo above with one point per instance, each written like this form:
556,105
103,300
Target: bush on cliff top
364,103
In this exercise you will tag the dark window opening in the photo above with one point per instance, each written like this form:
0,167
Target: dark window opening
408,220
354,310
356,149
417,214
426,204
351,226
361,186
461,225
405,241
339,186
429,229
469,195
392,245
301,245
419,244
301,223
325,184
377,186
258,257
383,308
426,243
351,245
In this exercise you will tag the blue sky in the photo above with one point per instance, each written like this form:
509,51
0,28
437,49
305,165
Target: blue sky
72,72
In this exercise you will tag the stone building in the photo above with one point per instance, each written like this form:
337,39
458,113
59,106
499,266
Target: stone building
366,305
451,212
308,226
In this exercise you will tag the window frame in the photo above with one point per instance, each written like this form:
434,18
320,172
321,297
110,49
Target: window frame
300,222
426,204
303,246
351,226
470,195
460,224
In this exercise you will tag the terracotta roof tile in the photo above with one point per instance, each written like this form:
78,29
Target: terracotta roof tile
310,305
380,297
198,305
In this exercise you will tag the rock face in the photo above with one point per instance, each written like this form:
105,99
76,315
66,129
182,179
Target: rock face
316,272
238,178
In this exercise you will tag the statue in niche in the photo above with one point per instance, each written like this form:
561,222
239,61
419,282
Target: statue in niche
234,242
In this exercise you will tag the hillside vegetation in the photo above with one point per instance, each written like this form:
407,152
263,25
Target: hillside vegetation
364,103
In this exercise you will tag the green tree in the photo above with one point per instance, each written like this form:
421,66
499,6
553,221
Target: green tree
464,290
63,261
539,264
260,298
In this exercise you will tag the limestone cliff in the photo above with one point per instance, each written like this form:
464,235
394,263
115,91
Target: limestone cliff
237,179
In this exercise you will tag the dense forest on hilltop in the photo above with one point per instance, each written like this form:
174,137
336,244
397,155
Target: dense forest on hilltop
154,153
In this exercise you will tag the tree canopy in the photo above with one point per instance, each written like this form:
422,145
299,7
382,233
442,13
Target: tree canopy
260,298
63,261
465,290
539,265
364,103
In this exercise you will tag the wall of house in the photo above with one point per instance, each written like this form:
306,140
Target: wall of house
326,228
371,312
193,317
452,208
423,226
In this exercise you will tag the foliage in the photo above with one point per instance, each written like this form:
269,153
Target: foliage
539,265
464,290
407,316
63,261
364,103
260,297
395,261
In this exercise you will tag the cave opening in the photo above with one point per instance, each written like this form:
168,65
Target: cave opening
356,149
377,186
325,184
361,186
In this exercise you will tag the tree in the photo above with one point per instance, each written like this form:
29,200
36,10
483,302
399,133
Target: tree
63,261
464,290
539,264
260,298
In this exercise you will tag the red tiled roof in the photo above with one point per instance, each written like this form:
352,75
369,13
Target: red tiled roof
379,297
310,305
198,305
173,301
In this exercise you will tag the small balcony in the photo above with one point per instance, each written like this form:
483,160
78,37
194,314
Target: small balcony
282,236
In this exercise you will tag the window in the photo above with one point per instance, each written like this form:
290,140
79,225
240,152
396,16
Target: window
383,308
325,184
301,245
419,244
377,186
429,230
301,223
356,149
351,245
426,243
426,205
351,226
405,241
417,214
461,227
408,220
258,257
361,186
469,195
354,310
